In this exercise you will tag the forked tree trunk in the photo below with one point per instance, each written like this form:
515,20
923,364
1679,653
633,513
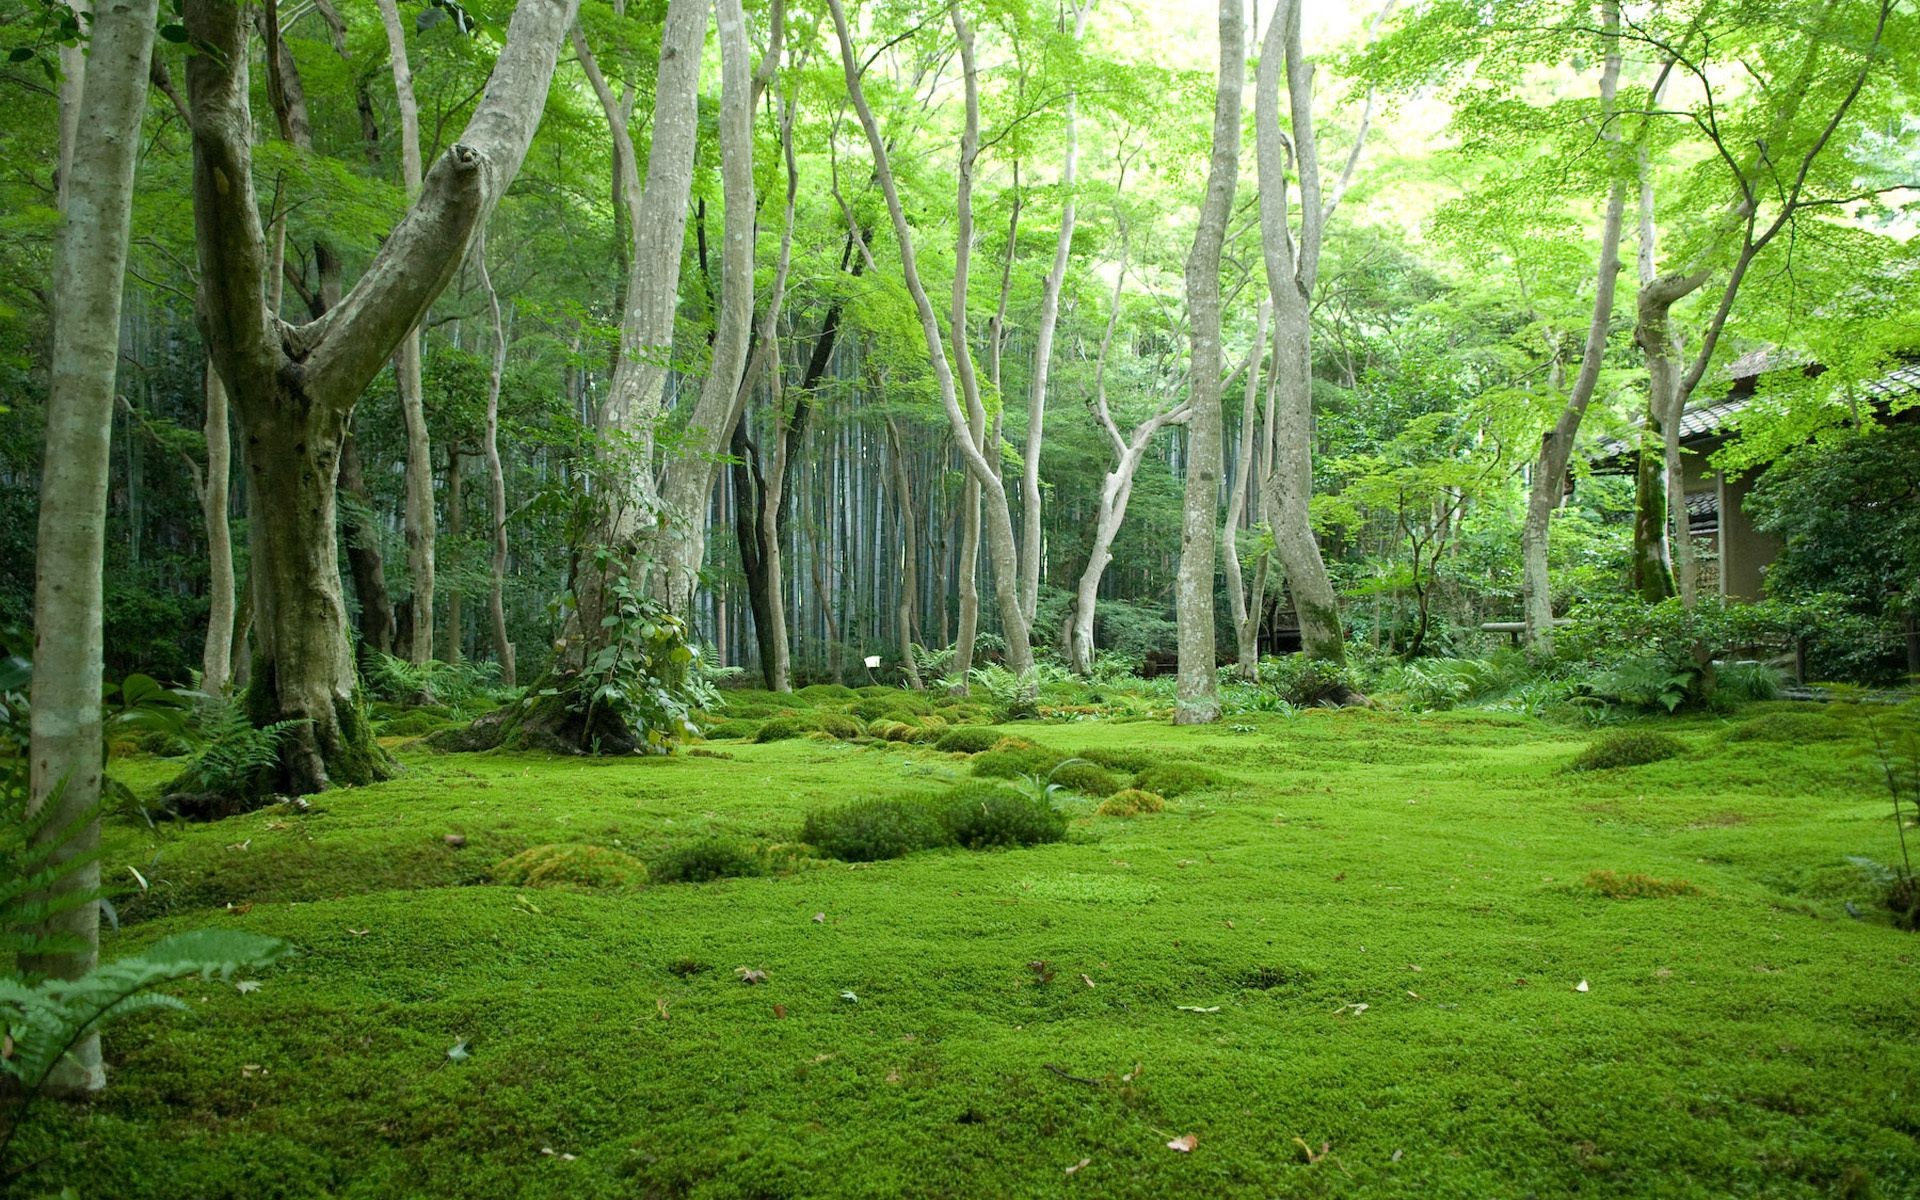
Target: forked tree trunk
1199,696
293,388
973,448
102,103
1292,269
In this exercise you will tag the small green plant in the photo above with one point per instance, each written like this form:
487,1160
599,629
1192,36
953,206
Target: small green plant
1131,802
1627,748
968,739
233,765
572,864
982,815
1635,886
1176,779
709,859
1899,758
872,830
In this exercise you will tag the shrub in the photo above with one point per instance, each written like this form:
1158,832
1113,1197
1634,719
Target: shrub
1089,779
968,739
1007,764
1131,802
872,830
1634,886
839,725
980,815
1175,779
781,728
1304,682
1628,748
735,728
571,864
710,858
1743,682
1115,758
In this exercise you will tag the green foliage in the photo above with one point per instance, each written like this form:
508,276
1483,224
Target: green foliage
1897,748
572,864
876,829
1627,748
645,668
1175,779
1131,802
733,729
968,739
234,760
984,815
816,692
1305,682
894,706
708,859
457,685
839,726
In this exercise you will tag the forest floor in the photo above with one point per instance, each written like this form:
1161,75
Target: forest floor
1354,969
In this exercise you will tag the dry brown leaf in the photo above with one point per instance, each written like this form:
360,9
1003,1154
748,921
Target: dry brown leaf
660,1002
750,975
1185,1143
1084,979
1077,1166
779,1012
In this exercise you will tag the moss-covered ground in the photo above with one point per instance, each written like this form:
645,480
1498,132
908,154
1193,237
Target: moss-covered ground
1351,969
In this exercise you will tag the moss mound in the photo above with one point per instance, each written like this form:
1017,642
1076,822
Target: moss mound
571,864
733,729
1628,748
1117,758
1089,779
839,726
1175,779
816,692
1791,727
781,728
1131,802
873,830
893,706
968,739
981,816
710,858
1010,764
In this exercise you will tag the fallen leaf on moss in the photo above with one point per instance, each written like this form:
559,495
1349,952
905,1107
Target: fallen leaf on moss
1185,1143
750,975
1077,1166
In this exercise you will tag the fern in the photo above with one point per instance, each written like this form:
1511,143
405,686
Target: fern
45,1021
234,757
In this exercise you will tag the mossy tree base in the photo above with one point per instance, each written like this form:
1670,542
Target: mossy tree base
327,748
545,723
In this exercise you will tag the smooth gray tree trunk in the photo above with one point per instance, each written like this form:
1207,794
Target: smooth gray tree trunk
107,94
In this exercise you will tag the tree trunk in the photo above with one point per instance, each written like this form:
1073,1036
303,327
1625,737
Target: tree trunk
496,477
1199,698
1556,447
1291,273
100,118
1030,541
293,388
999,528
1245,609
216,659
418,512
909,558
364,560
